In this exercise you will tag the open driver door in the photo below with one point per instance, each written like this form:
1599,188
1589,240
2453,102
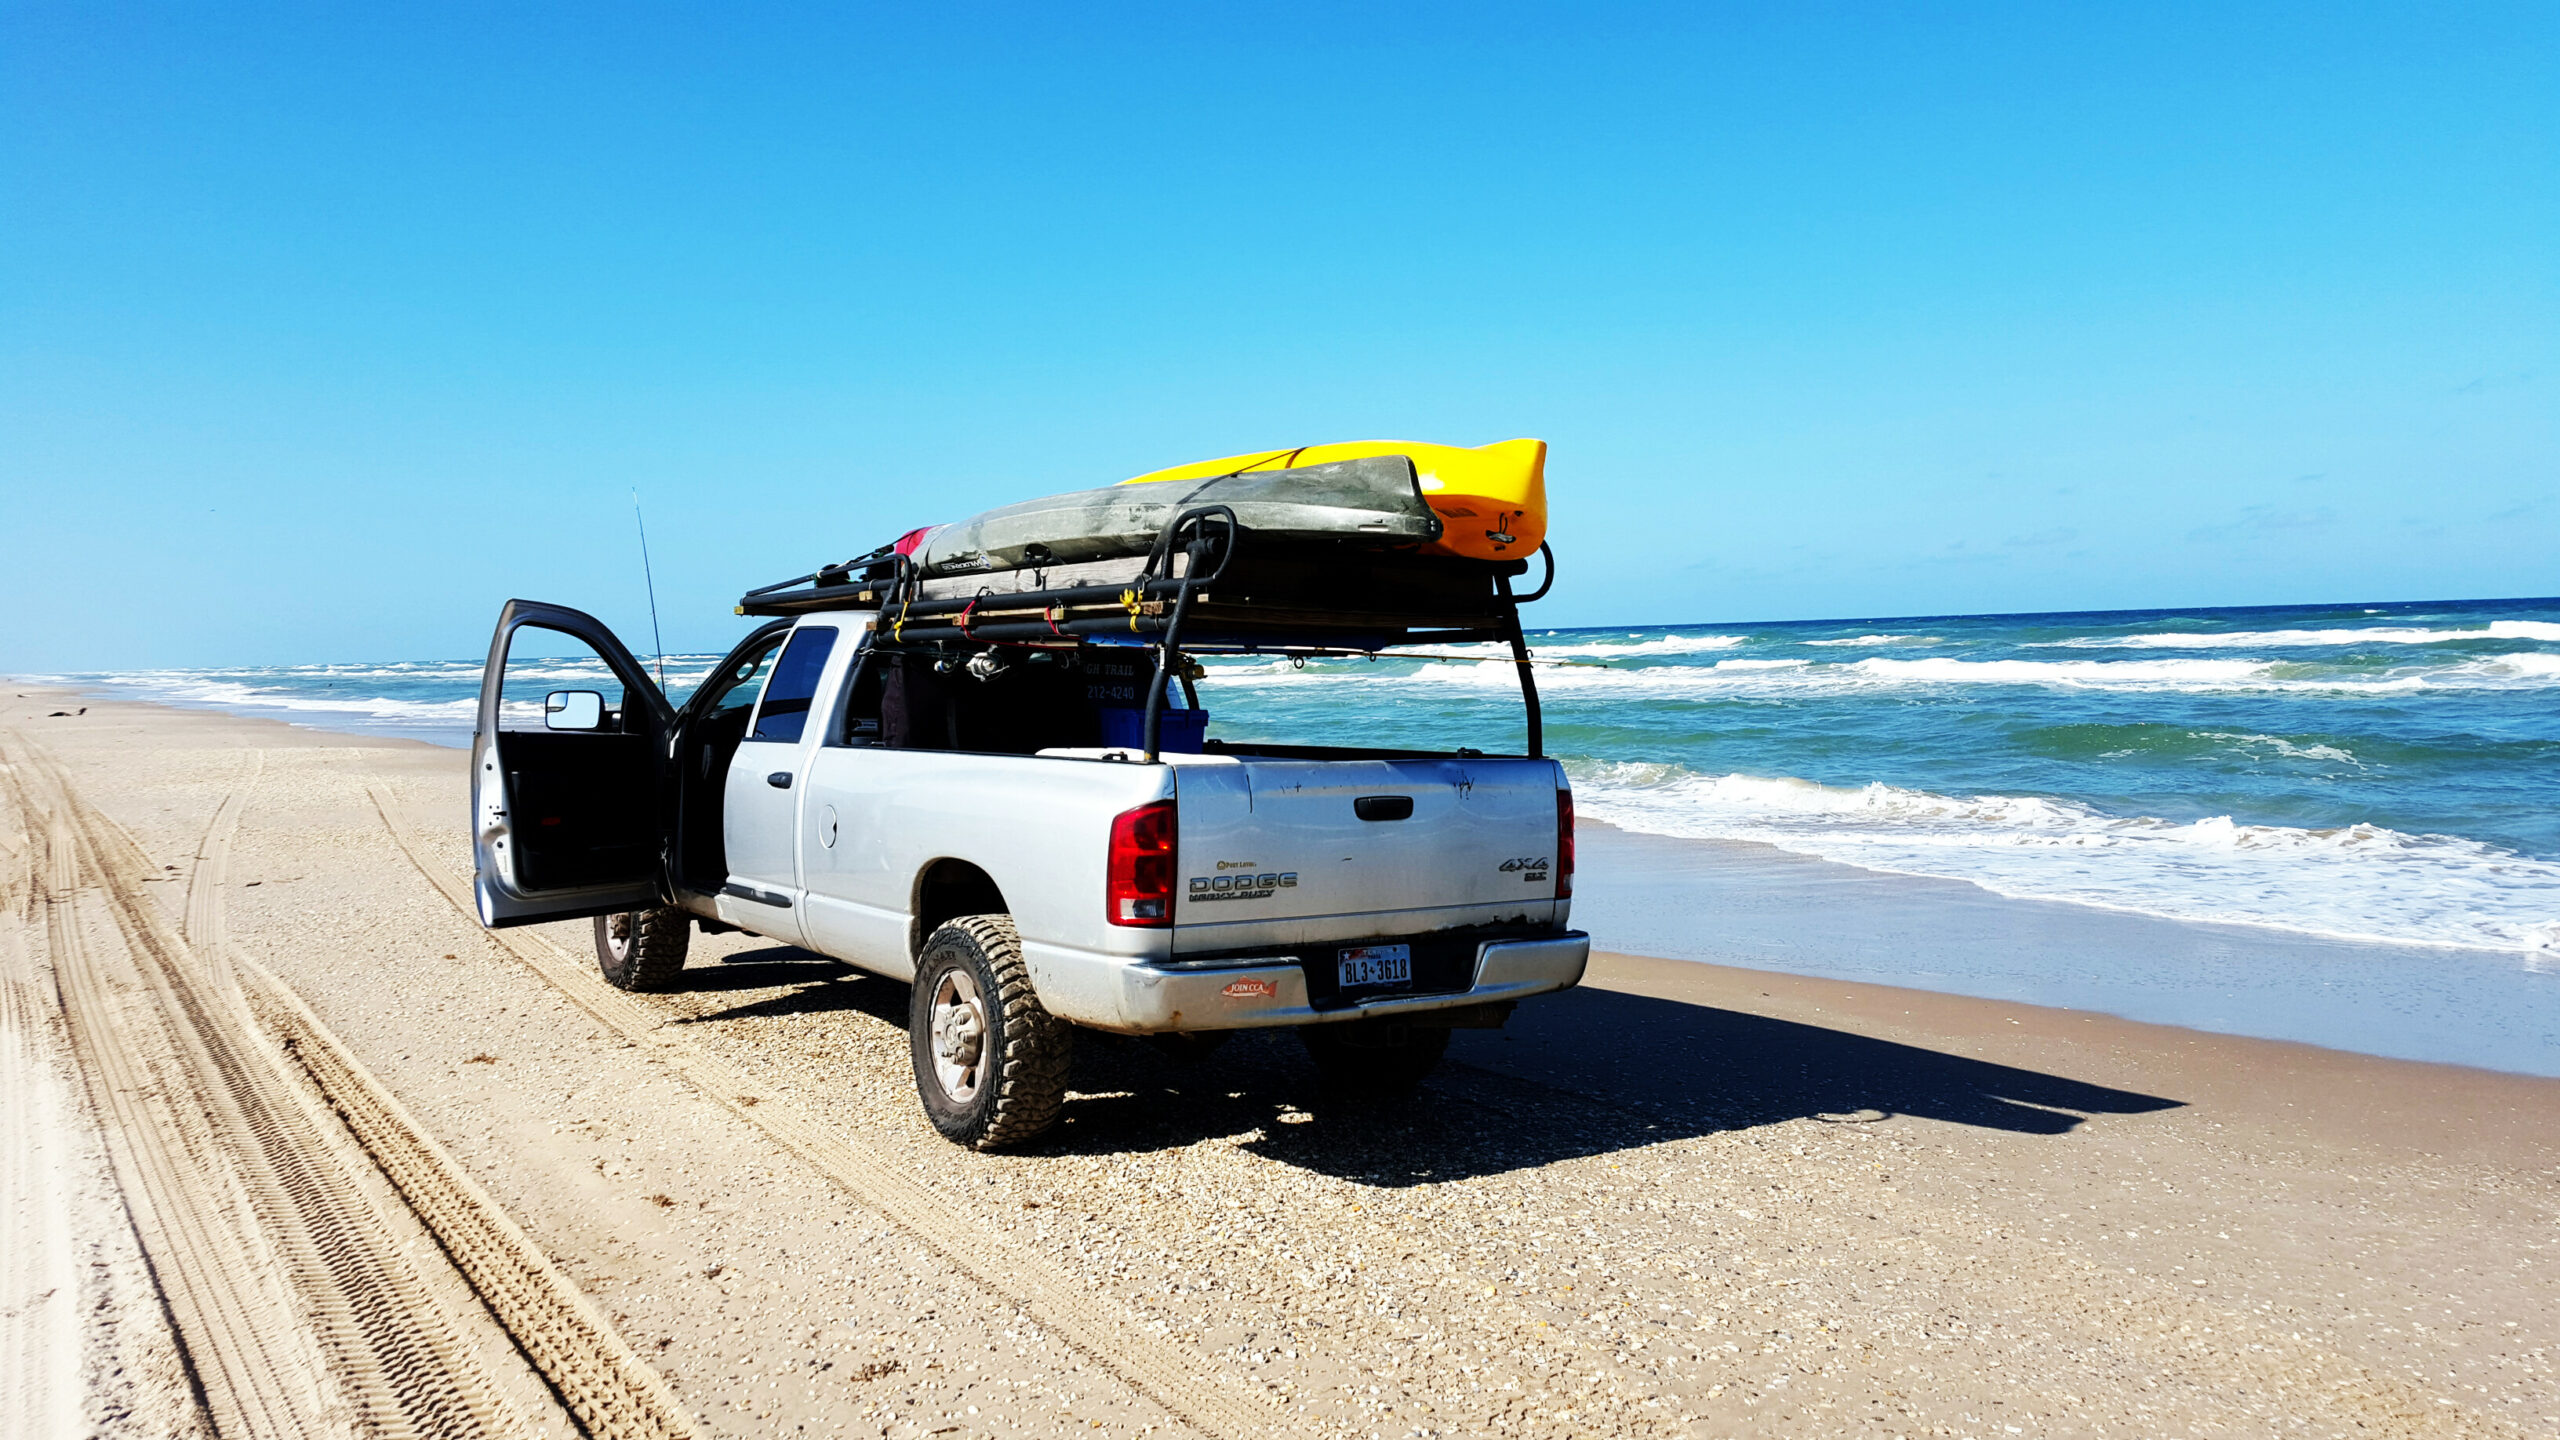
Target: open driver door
566,772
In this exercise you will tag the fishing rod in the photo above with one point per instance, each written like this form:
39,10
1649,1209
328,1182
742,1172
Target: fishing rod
657,637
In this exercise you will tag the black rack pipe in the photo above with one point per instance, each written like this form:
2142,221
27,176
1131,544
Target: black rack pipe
1164,666
1520,658
1168,646
829,580
1029,632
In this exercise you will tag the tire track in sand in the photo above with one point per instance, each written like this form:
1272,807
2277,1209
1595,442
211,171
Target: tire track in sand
1167,1373
87,1343
592,1372
596,1374
252,1367
40,1291
298,1313
203,926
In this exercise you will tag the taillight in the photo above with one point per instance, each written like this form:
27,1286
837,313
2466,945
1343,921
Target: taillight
1564,844
1140,888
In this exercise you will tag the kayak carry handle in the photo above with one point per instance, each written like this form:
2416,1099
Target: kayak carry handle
1544,585
1160,554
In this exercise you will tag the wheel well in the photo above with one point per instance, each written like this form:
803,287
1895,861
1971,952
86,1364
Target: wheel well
947,890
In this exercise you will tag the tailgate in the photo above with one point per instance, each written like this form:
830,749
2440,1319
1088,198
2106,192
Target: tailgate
1276,852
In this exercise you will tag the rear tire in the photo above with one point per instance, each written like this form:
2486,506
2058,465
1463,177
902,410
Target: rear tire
643,950
990,1062
1374,1057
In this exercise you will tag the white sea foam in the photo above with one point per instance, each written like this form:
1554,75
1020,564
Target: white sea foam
1667,645
2296,639
341,696
1614,650
1779,678
2283,747
1880,640
1500,654
233,695
2360,882
351,709
2107,674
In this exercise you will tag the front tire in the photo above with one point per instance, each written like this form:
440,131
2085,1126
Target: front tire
643,950
1374,1058
990,1062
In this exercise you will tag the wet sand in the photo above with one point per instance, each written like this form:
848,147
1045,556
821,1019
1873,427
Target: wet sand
1756,906
1686,1199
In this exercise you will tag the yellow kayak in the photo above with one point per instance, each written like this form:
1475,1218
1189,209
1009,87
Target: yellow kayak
1491,499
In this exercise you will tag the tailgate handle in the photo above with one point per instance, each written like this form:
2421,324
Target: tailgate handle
1383,807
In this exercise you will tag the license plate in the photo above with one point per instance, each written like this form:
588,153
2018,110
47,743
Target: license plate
1377,965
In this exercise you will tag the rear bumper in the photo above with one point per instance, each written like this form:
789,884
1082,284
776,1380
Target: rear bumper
1151,997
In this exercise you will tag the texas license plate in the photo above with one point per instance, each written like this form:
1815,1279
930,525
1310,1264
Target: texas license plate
1377,965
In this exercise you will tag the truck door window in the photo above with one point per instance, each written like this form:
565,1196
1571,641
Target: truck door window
733,691
579,796
542,662
788,692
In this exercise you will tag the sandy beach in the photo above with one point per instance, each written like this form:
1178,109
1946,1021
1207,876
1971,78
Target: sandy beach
261,1062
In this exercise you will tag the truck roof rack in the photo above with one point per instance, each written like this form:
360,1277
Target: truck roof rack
1204,587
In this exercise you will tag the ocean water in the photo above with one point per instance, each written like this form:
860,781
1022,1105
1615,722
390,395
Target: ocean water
2386,773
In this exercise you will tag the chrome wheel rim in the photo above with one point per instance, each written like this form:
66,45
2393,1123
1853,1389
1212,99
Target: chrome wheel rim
959,1035
617,936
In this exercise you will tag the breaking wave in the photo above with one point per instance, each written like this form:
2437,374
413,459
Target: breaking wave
435,700
2287,639
1781,676
2358,882
180,689
1612,649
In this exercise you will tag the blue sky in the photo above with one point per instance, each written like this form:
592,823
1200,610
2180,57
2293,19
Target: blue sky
323,330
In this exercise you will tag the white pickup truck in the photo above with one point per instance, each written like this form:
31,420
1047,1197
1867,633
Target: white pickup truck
958,820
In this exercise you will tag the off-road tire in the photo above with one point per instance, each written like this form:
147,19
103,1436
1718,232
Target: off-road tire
643,950
1023,1051
1365,1058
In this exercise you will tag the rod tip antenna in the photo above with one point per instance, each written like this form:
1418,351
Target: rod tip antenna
657,637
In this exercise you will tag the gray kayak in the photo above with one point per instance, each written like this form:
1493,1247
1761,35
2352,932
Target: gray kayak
1374,499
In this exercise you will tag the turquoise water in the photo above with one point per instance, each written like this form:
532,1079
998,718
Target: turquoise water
2377,772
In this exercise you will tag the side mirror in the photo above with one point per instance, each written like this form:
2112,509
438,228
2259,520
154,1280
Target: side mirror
573,710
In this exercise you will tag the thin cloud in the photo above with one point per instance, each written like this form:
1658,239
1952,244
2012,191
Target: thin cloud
2266,520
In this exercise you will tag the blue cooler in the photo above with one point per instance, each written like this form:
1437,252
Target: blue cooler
1180,732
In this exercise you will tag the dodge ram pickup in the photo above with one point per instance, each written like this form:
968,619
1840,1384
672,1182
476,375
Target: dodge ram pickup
965,818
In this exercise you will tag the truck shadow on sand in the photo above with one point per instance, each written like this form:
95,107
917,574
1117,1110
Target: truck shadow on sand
817,984
1588,1072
